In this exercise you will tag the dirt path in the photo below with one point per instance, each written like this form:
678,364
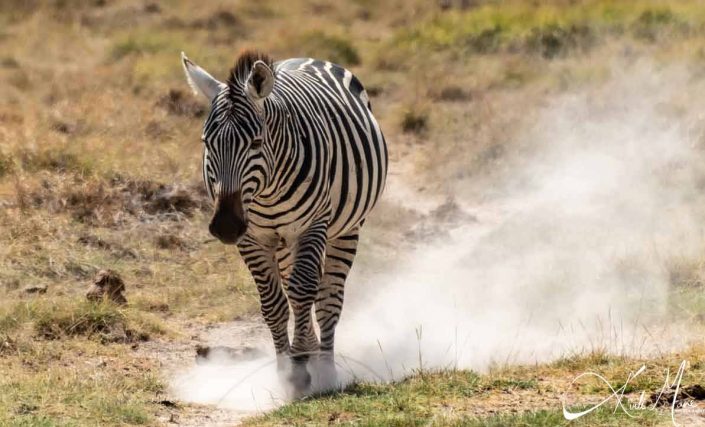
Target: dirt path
177,358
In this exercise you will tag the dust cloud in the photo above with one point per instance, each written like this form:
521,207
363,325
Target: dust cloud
573,251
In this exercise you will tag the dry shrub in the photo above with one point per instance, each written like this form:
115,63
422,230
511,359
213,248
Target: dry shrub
56,160
7,344
453,93
107,285
486,41
115,249
6,164
179,103
217,20
552,40
414,120
9,62
654,23
686,273
170,241
112,202
85,319
103,321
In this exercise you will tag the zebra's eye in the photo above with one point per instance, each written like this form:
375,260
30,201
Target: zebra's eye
256,143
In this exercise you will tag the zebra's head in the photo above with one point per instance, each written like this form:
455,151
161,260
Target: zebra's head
237,153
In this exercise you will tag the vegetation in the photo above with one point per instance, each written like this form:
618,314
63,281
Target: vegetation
100,168
498,398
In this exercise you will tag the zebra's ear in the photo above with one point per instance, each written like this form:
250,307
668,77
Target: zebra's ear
200,81
260,81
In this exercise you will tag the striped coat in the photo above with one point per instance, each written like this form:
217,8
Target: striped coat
295,161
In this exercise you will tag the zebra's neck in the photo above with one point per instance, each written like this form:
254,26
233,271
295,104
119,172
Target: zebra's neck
284,156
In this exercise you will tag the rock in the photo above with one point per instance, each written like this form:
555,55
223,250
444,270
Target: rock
7,345
35,289
223,354
107,284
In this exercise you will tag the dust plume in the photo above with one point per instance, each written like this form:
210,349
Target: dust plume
573,251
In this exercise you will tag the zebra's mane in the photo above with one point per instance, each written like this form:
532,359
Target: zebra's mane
241,70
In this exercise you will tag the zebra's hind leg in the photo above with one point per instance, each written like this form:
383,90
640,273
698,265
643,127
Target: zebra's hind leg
302,289
262,264
340,254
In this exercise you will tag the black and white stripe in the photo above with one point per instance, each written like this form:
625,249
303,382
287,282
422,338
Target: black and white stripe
296,146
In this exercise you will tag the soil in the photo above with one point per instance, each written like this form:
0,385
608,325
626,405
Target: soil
236,341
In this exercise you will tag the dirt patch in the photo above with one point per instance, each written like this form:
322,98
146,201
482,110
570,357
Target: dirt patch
233,341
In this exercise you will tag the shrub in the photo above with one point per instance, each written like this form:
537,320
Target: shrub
453,93
85,319
653,22
414,121
103,320
141,44
6,164
328,47
553,40
56,160
486,41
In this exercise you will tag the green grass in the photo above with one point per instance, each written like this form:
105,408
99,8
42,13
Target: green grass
528,395
81,108
337,49
549,418
62,318
61,393
551,28
443,399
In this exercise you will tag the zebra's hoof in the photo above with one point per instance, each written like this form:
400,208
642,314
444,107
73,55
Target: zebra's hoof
300,381
325,376
283,364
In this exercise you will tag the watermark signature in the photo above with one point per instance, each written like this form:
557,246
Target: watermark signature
670,385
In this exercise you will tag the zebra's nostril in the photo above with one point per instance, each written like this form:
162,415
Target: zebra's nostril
227,228
228,223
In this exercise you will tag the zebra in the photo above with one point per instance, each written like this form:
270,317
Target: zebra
294,161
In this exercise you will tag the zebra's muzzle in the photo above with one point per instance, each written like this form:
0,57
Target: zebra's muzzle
228,223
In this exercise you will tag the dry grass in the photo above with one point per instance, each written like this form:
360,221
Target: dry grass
100,167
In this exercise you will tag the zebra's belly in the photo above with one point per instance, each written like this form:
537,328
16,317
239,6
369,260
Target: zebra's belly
353,195
347,209
272,231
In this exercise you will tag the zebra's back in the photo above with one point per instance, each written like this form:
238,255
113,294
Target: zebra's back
344,126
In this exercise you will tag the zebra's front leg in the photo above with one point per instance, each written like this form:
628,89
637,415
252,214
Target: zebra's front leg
302,290
340,254
261,261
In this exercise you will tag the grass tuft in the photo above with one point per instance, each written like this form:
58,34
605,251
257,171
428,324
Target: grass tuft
7,164
414,120
554,40
56,160
318,44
